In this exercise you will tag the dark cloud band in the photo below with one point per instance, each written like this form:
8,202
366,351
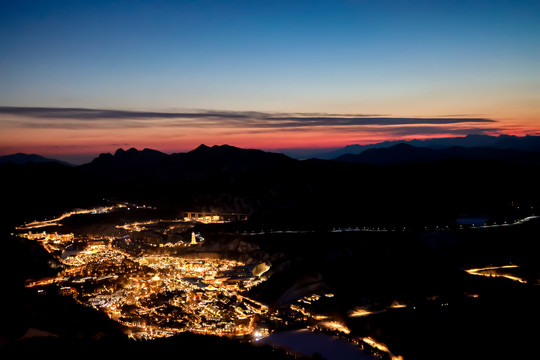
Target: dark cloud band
48,117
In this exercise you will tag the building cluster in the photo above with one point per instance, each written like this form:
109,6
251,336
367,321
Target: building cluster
153,293
52,242
48,236
160,295
137,282
156,294
213,217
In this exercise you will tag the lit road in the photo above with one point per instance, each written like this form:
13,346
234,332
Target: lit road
517,222
55,221
382,347
494,271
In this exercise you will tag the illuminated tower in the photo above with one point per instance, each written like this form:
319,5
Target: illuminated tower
193,240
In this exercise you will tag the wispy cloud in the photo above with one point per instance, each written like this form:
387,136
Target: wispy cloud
400,131
81,118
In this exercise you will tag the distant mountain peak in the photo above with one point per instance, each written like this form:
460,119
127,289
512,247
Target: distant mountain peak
215,149
224,146
501,141
22,158
202,147
121,151
403,153
402,145
134,151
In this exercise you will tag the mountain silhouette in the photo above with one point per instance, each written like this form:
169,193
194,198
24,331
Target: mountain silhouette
126,165
521,143
398,185
21,158
403,153
154,166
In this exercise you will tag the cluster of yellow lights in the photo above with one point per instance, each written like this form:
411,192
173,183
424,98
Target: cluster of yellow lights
50,241
203,281
204,295
209,219
121,281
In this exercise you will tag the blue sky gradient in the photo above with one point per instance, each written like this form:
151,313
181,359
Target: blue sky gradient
394,58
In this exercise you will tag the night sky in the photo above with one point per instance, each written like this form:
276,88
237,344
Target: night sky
82,77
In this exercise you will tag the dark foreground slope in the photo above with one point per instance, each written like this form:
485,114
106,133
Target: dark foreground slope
183,345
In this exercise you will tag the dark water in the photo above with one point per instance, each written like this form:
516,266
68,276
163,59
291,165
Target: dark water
308,343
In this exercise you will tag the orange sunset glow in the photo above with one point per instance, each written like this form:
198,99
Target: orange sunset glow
286,76
85,133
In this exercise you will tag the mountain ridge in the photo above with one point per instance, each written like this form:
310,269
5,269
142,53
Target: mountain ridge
190,165
404,152
23,158
276,189
522,143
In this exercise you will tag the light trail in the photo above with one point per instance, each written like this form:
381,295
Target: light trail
491,271
55,221
362,311
380,346
335,326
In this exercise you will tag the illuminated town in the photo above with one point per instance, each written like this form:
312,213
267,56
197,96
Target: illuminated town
153,278
159,294
152,295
